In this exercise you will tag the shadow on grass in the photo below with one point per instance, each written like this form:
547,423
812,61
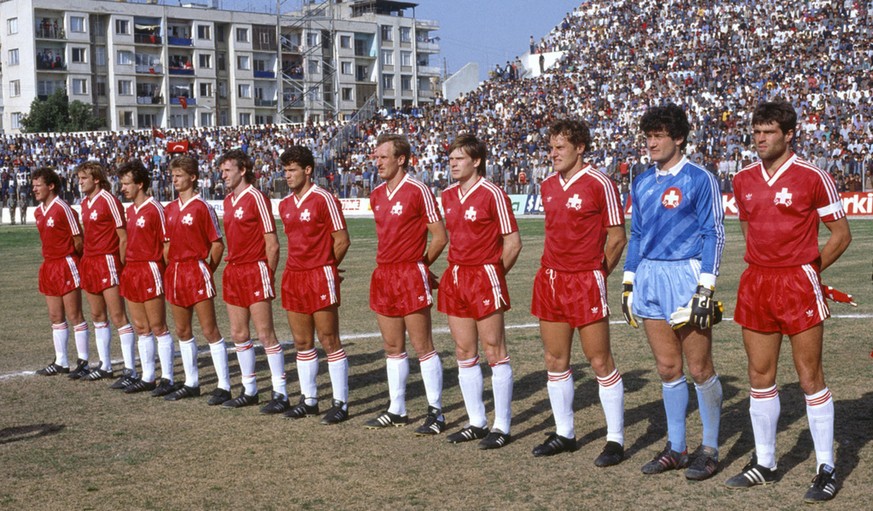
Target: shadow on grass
19,433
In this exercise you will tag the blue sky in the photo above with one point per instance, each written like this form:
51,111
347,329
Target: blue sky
485,31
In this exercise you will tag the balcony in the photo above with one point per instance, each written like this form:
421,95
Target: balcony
154,69
144,38
428,70
265,74
149,100
427,45
427,24
183,71
266,102
179,41
188,101
45,64
50,31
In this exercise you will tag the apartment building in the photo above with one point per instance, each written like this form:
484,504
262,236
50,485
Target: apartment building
147,65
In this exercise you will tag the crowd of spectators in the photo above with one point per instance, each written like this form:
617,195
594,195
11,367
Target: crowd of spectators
715,59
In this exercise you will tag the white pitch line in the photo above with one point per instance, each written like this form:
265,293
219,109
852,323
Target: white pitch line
442,330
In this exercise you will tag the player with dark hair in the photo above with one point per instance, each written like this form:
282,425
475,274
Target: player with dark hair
405,211
673,258
781,200
142,282
59,279
102,259
584,240
317,243
252,257
193,252
484,246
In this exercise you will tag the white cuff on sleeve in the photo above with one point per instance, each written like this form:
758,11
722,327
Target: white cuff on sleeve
707,280
628,277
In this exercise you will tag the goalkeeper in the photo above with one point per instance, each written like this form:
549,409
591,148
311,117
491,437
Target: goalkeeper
674,252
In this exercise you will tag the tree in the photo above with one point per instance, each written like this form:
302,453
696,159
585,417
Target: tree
57,114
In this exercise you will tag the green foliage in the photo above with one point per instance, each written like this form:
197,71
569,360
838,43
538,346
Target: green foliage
57,114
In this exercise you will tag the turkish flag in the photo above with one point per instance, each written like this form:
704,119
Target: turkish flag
183,101
156,133
180,146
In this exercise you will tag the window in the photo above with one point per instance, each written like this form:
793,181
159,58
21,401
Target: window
312,66
245,119
387,33
14,88
347,94
78,55
48,87
205,61
244,90
242,35
205,90
222,89
77,24
126,119
346,67
406,58
312,39
100,55
124,58
388,82
15,118
146,120
405,83
13,57
261,65
387,58
243,62
205,119
222,61
125,88
345,41
204,32
12,26
80,86
405,34
122,26
100,87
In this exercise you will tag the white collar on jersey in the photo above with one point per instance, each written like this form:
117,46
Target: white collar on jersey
674,170
782,169
183,205
235,198
50,204
575,177
145,203
399,186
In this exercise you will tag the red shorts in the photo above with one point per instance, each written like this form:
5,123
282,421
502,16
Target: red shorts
100,272
142,281
308,291
400,289
785,300
473,291
247,283
58,277
188,282
577,298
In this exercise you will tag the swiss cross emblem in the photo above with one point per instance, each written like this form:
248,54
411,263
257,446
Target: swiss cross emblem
188,219
397,209
470,214
50,222
238,214
140,222
782,198
574,202
93,215
671,198
305,216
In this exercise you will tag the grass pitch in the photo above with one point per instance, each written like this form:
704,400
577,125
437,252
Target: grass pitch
75,444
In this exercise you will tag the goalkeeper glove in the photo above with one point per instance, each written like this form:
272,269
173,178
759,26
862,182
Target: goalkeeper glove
835,295
701,312
627,301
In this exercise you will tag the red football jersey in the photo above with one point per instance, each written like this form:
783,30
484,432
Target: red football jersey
146,231
402,216
578,211
477,221
783,211
246,219
57,224
102,215
191,229
309,223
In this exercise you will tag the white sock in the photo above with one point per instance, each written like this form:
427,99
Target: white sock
147,356
470,380
218,351
166,354
245,354
276,361
612,401
432,375
338,366
128,348
307,370
501,386
81,335
397,367
60,334
820,415
764,408
188,349
561,391
102,336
